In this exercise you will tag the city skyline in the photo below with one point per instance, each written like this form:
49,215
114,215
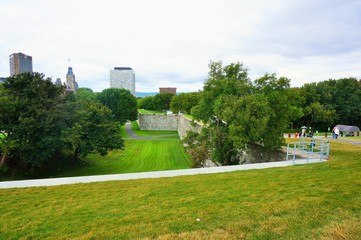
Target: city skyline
306,41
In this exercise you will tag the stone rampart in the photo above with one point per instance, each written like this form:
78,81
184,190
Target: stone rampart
168,122
185,125
158,122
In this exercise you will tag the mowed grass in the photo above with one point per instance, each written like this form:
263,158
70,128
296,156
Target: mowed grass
153,133
138,156
316,201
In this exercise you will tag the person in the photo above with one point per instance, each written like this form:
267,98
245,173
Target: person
337,132
333,133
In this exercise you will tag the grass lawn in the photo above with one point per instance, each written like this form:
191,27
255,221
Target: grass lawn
138,156
143,111
317,201
152,133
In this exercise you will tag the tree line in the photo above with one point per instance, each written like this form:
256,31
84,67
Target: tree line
240,113
41,125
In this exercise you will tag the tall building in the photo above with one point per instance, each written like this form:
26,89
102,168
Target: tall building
123,77
71,84
20,63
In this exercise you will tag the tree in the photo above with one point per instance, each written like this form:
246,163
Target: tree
92,129
240,114
31,116
184,102
147,103
122,103
161,101
85,94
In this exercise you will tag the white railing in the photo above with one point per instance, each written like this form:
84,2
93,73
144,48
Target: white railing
308,148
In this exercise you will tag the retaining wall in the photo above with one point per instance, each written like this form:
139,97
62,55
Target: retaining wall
185,125
158,122
168,122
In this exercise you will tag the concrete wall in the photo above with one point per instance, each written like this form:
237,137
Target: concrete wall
158,122
168,122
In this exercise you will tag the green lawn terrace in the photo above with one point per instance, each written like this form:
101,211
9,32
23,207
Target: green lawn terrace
316,201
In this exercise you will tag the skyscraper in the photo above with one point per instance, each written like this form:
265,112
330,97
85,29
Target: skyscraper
20,63
123,77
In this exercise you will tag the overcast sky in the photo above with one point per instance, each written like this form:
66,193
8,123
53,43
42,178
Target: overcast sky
169,43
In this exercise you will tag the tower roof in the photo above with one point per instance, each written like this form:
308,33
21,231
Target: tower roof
70,71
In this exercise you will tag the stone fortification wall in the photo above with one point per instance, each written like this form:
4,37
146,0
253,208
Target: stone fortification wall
168,122
185,125
158,122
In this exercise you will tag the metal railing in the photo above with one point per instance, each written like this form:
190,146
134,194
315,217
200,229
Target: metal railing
308,148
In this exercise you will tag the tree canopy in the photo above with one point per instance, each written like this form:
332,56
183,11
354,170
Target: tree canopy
122,103
239,113
40,123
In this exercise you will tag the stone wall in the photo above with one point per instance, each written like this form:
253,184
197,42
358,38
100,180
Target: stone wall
158,122
185,125
168,122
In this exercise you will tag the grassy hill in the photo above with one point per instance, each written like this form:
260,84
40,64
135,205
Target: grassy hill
317,201
138,156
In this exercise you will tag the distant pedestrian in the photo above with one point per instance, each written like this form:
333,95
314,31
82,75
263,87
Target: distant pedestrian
337,132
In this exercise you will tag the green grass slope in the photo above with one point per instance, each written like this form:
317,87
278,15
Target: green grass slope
138,156
317,201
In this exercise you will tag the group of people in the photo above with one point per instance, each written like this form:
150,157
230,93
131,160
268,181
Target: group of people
335,132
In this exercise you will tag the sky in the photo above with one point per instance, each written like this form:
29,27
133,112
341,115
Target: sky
169,43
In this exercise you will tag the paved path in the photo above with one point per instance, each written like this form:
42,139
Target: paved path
158,174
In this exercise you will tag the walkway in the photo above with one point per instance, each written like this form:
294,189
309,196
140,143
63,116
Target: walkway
142,175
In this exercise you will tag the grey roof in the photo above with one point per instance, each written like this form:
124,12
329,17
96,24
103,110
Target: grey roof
123,68
347,128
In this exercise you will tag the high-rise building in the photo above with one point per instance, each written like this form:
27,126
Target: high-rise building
123,77
20,63
71,84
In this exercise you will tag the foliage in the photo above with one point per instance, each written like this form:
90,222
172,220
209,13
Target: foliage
184,102
122,103
147,103
331,102
85,94
93,130
162,101
238,112
32,116
41,124
159,102
315,201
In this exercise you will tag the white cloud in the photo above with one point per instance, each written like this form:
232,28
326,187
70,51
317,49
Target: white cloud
170,43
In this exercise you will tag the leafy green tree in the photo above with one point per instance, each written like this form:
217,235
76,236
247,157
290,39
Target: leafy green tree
161,101
122,103
147,103
92,129
85,94
230,80
31,116
184,102
239,114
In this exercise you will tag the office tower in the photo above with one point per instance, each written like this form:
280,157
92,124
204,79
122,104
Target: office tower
123,77
71,84
20,63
